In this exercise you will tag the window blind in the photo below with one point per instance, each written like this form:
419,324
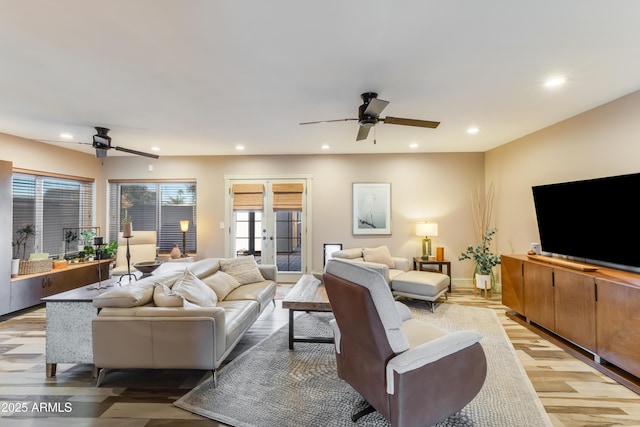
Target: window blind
50,203
247,196
287,197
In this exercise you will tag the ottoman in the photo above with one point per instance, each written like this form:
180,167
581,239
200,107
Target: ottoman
422,285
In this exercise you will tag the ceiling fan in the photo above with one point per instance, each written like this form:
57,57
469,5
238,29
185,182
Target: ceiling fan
369,116
102,143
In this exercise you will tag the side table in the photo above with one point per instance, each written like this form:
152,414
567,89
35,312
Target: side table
418,262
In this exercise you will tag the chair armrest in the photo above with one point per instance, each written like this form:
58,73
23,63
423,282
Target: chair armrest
429,352
403,311
402,264
268,271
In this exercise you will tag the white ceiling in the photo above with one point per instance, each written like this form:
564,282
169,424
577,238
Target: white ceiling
198,77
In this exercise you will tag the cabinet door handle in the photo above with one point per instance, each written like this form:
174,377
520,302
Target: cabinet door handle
44,282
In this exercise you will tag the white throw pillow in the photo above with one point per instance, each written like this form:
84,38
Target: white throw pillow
194,290
163,296
244,269
381,255
222,283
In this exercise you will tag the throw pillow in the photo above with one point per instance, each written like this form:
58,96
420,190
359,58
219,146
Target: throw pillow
163,296
222,283
381,255
244,269
194,290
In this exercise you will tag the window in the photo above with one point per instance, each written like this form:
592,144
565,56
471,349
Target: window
155,206
51,204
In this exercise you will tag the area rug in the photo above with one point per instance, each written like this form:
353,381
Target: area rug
270,385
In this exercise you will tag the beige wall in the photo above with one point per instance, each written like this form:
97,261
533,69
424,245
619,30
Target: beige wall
601,142
435,187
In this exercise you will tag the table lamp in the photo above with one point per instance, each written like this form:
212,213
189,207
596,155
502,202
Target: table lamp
426,230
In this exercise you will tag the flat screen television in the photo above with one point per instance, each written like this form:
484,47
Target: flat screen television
595,220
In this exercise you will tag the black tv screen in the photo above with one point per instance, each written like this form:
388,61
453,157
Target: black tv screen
594,219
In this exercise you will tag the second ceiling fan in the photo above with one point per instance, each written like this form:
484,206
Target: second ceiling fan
369,116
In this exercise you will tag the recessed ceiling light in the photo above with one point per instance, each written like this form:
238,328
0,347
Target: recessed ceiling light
413,145
473,130
325,146
66,136
239,147
155,148
555,81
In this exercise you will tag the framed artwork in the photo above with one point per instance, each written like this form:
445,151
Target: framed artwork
371,208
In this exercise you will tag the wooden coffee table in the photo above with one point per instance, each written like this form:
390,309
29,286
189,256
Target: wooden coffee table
309,294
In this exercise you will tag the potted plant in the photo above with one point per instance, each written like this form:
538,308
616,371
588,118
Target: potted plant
23,235
485,260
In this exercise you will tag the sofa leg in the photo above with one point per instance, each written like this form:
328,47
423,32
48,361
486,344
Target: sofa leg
101,374
214,377
273,300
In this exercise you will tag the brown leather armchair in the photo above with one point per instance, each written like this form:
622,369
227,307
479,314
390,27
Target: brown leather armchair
411,372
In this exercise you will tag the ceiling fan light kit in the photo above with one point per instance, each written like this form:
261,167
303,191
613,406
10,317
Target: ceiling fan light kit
369,116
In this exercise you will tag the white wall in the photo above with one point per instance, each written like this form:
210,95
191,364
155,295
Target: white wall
598,143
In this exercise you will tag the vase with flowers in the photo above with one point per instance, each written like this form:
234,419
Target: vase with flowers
485,261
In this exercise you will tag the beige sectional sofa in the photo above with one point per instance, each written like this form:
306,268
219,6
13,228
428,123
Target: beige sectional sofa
423,285
184,320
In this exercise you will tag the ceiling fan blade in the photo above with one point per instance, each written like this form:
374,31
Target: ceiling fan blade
410,122
375,107
363,132
65,142
326,121
139,153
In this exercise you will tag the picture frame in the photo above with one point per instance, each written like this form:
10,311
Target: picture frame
371,208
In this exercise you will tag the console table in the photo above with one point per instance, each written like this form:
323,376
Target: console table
27,290
591,312
68,330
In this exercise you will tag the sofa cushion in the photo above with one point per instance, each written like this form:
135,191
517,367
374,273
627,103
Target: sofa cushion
194,290
244,269
380,255
164,297
222,283
133,295
425,284
263,292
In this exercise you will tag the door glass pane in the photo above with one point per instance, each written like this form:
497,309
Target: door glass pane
288,239
248,229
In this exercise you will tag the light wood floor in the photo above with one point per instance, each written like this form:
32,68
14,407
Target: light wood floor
573,393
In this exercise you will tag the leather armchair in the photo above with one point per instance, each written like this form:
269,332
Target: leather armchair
411,372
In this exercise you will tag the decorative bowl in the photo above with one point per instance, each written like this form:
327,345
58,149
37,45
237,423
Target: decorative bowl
146,267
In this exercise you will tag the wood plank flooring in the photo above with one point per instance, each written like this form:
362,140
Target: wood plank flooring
573,393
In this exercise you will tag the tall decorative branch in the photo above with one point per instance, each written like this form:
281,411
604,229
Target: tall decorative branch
482,209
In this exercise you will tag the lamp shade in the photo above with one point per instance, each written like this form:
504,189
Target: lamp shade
425,229
184,225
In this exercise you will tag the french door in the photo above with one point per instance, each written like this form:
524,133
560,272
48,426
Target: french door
268,219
